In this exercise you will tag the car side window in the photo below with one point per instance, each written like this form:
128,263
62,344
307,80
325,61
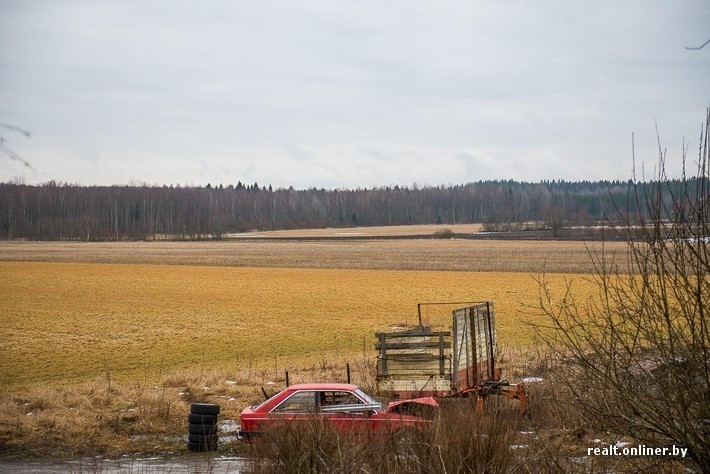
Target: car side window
335,398
341,402
299,402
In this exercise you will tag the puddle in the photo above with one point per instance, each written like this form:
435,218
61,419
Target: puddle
188,465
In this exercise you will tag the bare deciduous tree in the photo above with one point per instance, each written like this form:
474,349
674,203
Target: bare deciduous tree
637,357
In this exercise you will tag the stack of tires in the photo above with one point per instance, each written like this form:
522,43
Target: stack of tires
202,427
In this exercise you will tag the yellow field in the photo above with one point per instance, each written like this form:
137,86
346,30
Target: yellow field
69,322
110,342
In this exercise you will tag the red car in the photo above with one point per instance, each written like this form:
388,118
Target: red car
346,406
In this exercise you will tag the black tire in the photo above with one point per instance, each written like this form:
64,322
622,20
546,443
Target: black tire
201,447
202,438
199,419
202,429
204,408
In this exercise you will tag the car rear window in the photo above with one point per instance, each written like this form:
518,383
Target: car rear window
299,402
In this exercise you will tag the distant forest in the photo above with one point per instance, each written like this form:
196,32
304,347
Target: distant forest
56,211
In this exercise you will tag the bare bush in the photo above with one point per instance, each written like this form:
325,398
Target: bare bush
444,234
641,348
459,440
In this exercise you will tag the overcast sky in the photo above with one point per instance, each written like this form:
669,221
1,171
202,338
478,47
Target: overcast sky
346,94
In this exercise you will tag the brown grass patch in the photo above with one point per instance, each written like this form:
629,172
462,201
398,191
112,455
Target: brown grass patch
381,231
427,254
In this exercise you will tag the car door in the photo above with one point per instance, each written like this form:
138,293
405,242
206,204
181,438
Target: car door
298,406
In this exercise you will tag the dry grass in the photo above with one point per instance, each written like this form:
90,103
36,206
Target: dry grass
71,322
428,254
140,418
103,416
114,340
381,231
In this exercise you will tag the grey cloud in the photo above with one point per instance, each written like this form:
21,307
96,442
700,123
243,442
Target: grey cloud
348,94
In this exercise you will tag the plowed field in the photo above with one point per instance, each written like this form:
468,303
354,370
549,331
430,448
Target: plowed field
90,310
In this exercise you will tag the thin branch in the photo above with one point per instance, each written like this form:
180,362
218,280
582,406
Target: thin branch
14,156
698,47
4,149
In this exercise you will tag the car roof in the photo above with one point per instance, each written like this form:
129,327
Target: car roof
323,386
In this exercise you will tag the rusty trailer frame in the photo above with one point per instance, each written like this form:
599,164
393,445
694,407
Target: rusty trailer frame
459,363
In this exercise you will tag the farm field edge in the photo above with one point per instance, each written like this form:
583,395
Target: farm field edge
70,322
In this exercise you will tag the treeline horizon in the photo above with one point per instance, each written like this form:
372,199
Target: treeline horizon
60,211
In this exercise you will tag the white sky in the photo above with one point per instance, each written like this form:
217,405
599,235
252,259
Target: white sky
348,93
